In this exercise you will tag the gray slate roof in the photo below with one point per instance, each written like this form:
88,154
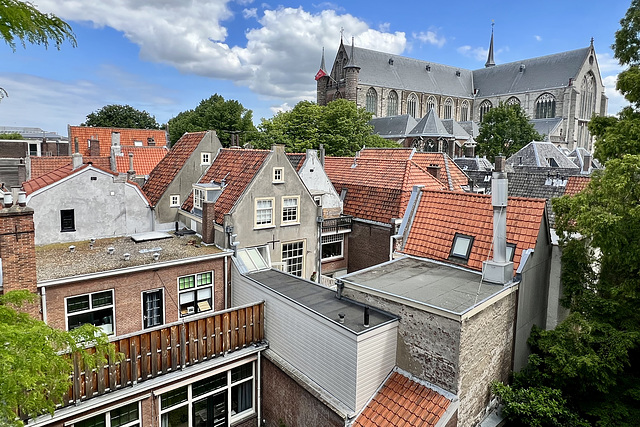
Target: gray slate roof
540,186
546,126
393,126
536,154
430,126
544,72
455,129
470,127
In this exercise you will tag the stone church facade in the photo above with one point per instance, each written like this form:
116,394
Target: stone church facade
559,92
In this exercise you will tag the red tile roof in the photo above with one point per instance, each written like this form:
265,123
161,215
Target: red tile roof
144,159
103,135
442,214
43,165
402,402
576,184
237,168
297,160
167,169
377,190
450,173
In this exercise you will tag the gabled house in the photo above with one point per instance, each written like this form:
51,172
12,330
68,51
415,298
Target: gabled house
542,157
101,141
170,182
252,198
82,201
137,162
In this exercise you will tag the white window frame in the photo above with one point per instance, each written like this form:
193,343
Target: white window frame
227,388
143,310
205,158
195,290
278,175
285,217
174,200
271,222
285,260
330,239
67,315
199,195
107,414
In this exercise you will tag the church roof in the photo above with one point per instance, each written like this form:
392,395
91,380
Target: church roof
454,128
393,126
546,126
538,154
399,72
430,126
544,72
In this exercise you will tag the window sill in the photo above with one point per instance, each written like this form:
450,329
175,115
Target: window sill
333,258
68,231
277,182
288,224
263,227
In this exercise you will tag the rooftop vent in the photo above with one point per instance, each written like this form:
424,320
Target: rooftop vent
72,248
126,256
341,317
156,256
390,61
111,250
458,73
522,68
427,67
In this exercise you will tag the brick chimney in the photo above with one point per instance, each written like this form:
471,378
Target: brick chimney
434,170
94,150
131,173
208,222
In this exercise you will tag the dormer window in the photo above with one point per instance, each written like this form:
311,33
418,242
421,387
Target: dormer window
198,198
205,158
461,247
278,175
137,143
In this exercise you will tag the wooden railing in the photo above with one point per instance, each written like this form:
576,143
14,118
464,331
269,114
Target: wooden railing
341,224
151,353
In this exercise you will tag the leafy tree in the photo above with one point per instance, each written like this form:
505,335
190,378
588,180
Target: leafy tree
227,118
14,135
505,129
340,126
35,374
21,21
121,116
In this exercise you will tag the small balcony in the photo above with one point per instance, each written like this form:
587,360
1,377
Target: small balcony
341,224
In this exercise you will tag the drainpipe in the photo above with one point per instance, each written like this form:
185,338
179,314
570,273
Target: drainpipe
259,392
43,293
226,258
319,220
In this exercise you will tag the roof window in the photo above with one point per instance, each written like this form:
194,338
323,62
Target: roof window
461,247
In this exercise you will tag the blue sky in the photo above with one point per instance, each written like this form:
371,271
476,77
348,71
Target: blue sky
165,56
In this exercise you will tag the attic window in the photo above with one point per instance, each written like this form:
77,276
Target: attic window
137,143
278,175
511,250
461,247
552,162
205,158
151,141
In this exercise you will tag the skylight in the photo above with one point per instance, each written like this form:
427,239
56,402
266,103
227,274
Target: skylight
251,259
461,247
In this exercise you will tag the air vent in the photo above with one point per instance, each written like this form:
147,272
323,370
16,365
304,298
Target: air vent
390,61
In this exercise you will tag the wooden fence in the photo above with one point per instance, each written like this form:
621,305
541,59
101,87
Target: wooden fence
158,351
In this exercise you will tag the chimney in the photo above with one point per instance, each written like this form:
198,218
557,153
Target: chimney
115,143
131,173
94,149
499,270
321,154
76,160
434,170
586,163
366,317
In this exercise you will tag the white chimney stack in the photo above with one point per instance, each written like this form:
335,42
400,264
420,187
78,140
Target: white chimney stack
76,160
499,270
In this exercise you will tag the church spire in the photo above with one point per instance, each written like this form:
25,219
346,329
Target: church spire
352,61
490,62
322,66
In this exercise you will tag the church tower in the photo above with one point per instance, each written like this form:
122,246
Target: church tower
322,80
490,62
352,72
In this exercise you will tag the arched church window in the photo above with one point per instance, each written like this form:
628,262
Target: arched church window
431,103
372,101
412,105
588,95
464,111
513,101
485,106
448,108
392,104
545,106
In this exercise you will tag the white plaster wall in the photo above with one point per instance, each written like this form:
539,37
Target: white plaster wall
314,177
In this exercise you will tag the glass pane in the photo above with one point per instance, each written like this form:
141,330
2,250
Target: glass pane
179,417
241,372
102,298
124,415
209,384
186,282
241,397
173,397
97,421
77,304
205,278
460,246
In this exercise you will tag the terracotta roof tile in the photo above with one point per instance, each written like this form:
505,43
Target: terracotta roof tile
167,169
35,184
576,184
43,165
144,159
296,160
237,168
128,137
403,402
377,190
442,214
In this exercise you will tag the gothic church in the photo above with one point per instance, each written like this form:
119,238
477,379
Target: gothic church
559,92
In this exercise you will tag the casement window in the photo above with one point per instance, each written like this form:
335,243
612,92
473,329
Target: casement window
290,208
205,158
67,220
332,246
174,200
214,401
278,175
461,247
264,212
95,308
124,416
152,308
293,257
195,293
198,198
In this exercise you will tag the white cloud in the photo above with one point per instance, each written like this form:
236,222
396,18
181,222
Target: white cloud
430,37
478,53
275,109
538,38
607,63
250,13
616,100
244,2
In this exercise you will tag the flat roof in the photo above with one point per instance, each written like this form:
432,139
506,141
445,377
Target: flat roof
321,300
56,260
436,284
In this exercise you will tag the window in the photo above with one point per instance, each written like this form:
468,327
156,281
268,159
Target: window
205,158
290,209
448,108
511,250
461,247
293,257
392,104
513,101
67,220
198,198
464,112
332,246
412,105
587,96
485,106
545,106
33,149
125,416
174,201
264,212
372,101
214,401
431,103
278,174
318,200
95,308
152,308
195,293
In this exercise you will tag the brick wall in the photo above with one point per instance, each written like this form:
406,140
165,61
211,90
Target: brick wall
368,245
14,149
128,289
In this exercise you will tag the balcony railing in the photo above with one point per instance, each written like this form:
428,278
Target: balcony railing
152,353
341,224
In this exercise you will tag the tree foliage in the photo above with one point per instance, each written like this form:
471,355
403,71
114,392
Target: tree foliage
35,373
226,117
21,22
505,129
121,116
14,135
340,126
